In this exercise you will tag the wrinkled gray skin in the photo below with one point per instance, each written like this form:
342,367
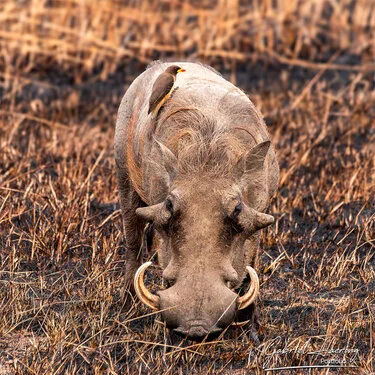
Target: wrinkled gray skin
191,188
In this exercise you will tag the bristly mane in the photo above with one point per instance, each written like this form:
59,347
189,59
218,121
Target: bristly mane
201,143
205,140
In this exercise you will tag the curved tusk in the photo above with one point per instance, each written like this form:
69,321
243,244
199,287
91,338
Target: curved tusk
249,297
149,299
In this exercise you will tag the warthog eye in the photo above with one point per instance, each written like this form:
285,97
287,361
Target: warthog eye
237,210
169,205
232,223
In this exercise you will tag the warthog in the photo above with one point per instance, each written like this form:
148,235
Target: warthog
201,173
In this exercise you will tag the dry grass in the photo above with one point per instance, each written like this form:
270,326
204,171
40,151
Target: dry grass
308,66
84,35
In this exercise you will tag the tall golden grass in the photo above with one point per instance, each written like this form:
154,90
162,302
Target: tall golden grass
104,34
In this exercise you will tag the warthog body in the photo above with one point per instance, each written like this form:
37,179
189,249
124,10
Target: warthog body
202,172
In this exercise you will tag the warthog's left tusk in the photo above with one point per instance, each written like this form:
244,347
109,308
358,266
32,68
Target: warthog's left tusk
249,297
143,293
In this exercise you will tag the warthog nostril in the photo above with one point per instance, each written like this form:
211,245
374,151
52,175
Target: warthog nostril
193,332
198,332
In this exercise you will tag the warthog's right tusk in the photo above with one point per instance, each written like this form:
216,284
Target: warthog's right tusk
249,297
143,293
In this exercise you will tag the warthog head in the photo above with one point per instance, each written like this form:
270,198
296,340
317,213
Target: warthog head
204,223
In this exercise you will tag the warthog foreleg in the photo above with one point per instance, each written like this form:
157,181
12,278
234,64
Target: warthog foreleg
133,228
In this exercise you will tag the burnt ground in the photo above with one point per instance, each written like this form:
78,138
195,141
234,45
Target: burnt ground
62,254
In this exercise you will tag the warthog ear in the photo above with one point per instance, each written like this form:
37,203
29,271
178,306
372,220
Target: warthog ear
252,220
252,161
149,213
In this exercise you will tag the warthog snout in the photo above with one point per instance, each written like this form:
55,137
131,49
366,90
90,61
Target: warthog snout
197,309
196,312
